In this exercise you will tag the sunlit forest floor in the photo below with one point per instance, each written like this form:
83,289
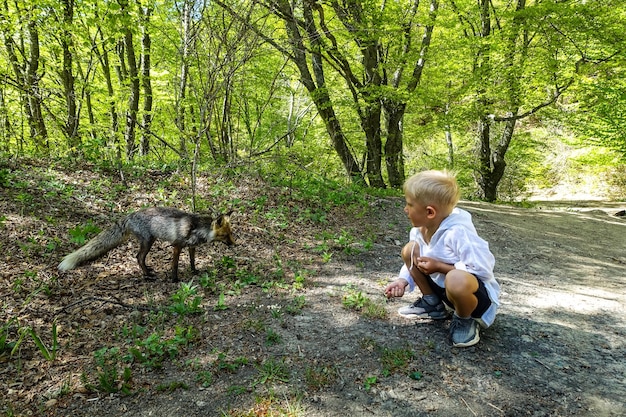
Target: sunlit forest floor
291,321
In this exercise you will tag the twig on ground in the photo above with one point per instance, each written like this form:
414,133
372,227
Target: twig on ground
468,407
546,366
491,405
115,300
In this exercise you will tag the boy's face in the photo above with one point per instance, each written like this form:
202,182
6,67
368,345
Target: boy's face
417,213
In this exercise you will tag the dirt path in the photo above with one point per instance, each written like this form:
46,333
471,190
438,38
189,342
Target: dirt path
557,348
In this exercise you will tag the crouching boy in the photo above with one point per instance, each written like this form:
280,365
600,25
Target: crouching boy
446,259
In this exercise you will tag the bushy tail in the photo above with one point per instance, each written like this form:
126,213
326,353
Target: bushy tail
96,247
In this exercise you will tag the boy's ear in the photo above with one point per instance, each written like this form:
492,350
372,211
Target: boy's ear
431,212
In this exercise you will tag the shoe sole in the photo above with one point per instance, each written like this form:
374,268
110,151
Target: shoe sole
424,316
468,343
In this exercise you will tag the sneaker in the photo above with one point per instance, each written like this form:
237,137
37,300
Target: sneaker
464,332
422,310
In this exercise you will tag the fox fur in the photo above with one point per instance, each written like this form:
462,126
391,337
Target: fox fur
181,229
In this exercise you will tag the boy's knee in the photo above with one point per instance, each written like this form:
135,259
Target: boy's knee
409,250
461,282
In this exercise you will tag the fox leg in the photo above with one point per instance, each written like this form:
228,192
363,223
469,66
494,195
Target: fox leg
192,259
175,258
144,248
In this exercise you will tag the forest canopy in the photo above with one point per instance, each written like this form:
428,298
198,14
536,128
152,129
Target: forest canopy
362,91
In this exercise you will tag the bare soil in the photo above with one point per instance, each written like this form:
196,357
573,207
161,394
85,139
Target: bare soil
557,348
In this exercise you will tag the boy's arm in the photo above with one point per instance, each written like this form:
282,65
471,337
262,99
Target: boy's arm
430,265
474,254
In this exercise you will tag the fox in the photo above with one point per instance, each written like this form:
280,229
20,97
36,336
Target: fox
181,229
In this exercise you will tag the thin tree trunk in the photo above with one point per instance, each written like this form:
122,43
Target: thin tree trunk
67,77
394,108
146,83
38,132
133,98
188,37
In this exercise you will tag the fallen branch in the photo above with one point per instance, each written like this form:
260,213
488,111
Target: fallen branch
468,407
112,300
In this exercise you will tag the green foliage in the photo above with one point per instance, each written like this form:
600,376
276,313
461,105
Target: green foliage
223,364
354,299
394,360
320,377
109,379
221,303
172,386
79,234
48,352
272,371
186,300
153,350
272,338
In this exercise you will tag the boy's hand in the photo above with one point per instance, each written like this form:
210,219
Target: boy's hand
396,288
429,265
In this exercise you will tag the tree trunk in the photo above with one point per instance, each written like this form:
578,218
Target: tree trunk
133,98
317,88
67,78
370,119
188,37
146,83
394,159
103,58
395,108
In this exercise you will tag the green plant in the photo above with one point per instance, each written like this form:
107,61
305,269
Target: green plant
49,353
186,300
221,303
394,360
208,280
272,338
4,335
107,362
79,233
416,375
296,305
228,262
369,382
319,377
222,364
354,299
299,280
374,310
272,370
204,378
154,349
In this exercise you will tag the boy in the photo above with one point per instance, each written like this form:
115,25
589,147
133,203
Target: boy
447,260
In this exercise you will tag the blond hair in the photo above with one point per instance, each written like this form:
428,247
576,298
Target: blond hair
437,188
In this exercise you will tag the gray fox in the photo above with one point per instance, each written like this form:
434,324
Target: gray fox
179,228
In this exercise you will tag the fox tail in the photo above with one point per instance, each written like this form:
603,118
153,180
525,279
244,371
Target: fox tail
96,247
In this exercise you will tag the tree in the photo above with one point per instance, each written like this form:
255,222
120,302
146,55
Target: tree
510,83
22,48
128,59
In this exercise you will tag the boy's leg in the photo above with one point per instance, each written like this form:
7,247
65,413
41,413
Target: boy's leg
429,305
470,300
461,287
410,253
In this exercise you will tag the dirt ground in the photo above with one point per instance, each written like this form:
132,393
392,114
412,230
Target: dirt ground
557,348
